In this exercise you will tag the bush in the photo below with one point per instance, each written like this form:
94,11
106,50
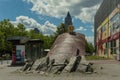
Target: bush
1,58
6,57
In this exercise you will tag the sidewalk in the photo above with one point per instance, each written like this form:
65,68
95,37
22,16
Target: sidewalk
110,71
105,61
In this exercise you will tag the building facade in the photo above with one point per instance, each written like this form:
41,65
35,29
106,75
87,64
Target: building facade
107,29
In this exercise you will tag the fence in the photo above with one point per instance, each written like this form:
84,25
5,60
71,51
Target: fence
5,62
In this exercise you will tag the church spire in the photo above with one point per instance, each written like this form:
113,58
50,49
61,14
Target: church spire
68,14
68,19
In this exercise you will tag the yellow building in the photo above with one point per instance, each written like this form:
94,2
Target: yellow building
108,35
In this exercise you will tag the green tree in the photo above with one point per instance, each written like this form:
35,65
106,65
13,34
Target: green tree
20,30
48,41
89,48
33,35
61,29
6,30
1,41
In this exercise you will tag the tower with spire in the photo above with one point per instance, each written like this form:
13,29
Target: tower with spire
68,20
68,23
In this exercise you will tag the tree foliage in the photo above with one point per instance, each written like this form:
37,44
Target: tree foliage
60,29
89,48
7,29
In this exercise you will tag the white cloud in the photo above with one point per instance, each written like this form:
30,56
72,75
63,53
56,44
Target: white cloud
82,9
90,39
92,30
87,14
30,23
49,28
81,29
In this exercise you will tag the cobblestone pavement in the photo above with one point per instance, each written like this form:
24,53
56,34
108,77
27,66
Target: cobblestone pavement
109,71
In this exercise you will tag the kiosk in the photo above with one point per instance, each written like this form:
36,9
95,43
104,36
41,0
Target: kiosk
18,52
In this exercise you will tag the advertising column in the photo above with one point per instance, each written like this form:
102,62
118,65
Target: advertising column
20,53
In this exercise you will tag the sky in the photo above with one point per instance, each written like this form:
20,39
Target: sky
46,15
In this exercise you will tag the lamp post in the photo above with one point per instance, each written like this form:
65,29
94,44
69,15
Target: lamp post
118,6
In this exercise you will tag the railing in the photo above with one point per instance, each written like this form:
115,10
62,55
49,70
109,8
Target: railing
5,62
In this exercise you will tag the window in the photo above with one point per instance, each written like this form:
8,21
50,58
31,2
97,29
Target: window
104,27
113,43
115,22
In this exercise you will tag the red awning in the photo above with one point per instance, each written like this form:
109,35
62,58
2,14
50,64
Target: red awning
114,37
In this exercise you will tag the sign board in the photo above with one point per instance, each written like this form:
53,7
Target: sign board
20,53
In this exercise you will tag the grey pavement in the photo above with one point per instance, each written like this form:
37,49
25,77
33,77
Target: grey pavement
110,71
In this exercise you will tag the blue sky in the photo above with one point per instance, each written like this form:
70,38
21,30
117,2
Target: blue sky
48,14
